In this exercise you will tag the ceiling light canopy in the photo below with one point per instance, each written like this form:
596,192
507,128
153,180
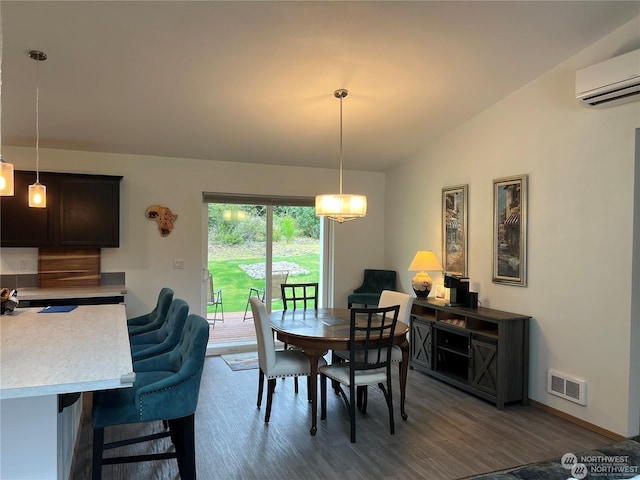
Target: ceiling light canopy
341,207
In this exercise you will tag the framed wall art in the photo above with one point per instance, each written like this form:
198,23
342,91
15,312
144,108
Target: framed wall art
454,230
510,230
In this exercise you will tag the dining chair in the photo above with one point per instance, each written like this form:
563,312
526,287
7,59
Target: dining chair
214,297
299,295
387,299
278,277
166,388
153,319
370,344
274,363
163,339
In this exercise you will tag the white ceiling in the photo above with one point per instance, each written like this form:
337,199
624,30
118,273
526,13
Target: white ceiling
253,81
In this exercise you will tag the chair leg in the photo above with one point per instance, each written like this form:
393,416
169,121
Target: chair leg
352,412
98,446
323,397
183,435
271,386
260,386
362,399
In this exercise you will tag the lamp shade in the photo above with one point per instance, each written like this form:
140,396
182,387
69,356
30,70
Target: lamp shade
6,179
422,282
37,195
341,207
425,260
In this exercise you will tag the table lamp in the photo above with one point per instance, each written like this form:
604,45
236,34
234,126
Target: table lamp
421,282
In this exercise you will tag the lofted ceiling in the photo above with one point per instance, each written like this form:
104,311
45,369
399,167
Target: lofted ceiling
253,81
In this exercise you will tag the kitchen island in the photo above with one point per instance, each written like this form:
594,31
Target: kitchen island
42,356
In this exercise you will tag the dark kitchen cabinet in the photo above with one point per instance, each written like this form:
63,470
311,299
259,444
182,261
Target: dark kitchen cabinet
82,211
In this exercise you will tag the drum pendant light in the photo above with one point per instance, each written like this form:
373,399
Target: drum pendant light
341,207
37,191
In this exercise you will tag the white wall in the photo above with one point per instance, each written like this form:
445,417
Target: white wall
580,164
178,183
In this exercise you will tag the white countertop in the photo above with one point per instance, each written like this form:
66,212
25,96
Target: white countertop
50,353
34,293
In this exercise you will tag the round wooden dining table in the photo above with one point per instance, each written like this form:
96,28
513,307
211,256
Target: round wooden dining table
316,331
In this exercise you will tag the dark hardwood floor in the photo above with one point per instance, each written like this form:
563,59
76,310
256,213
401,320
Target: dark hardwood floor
449,435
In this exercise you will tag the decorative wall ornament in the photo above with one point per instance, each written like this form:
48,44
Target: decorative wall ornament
454,230
164,218
510,230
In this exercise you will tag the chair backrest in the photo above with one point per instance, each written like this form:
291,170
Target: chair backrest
264,336
172,328
278,277
158,315
389,298
211,299
375,281
175,396
299,295
373,328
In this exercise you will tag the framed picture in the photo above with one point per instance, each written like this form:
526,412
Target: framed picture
454,230
510,230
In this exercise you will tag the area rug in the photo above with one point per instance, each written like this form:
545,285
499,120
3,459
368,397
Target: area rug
241,361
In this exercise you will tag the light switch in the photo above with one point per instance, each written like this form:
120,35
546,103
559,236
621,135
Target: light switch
178,263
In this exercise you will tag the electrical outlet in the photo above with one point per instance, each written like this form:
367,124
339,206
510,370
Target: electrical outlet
24,266
178,263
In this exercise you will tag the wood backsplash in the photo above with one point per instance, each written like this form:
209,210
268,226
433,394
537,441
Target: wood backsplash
68,267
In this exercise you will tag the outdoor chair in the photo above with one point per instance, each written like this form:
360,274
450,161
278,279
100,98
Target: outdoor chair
370,345
375,281
214,297
278,277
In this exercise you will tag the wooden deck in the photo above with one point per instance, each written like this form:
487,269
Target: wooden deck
232,335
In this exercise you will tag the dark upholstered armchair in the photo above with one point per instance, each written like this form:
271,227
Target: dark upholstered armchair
375,281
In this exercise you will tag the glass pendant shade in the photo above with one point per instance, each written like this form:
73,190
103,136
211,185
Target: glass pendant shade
341,207
37,195
6,179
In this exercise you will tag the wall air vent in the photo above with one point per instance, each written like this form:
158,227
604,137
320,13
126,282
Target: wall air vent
569,388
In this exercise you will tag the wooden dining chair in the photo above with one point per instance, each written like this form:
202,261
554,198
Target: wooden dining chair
299,295
370,344
274,363
387,299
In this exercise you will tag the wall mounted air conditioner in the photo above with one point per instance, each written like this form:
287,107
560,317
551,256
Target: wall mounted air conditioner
611,82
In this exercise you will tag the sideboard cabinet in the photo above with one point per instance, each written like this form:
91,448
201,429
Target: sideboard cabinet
480,350
82,211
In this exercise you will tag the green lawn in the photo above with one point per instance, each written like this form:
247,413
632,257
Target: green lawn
235,283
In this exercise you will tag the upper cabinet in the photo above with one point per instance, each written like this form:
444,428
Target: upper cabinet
82,211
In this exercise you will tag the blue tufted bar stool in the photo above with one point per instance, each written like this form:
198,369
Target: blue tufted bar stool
163,339
166,388
155,318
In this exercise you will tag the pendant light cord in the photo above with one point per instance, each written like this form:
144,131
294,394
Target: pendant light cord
341,97
37,122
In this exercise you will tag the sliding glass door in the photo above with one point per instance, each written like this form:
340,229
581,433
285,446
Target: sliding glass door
254,244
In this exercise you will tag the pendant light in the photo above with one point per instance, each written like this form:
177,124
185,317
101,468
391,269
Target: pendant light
6,168
341,207
37,191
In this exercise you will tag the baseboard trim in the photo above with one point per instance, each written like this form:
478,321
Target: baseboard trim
577,421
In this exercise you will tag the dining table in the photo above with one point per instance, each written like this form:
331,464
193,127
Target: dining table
317,331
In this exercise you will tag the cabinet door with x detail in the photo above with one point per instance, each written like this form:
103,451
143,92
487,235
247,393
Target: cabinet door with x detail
484,364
